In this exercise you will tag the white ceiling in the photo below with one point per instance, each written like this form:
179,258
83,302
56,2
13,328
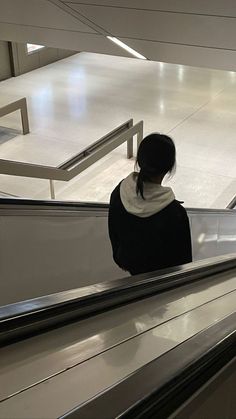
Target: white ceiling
181,31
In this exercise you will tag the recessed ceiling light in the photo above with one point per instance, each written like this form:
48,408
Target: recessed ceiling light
126,47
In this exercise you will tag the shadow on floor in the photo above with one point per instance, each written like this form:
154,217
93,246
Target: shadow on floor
7,195
7,134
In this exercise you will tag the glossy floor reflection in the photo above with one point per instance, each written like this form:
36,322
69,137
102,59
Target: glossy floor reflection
74,102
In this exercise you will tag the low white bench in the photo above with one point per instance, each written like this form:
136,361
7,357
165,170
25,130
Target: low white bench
14,106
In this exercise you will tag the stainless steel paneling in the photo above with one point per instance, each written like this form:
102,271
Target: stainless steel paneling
212,234
226,235
215,400
26,363
54,253
204,230
60,394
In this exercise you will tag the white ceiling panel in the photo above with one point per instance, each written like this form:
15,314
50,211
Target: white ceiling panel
39,13
71,40
182,31
168,27
181,54
212,7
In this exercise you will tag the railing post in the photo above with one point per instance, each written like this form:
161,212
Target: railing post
24,117
52,189
140,135
130,143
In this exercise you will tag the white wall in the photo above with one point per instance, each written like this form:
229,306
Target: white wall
24,62
5,66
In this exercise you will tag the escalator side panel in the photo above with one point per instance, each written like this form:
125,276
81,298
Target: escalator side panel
41,255
212,234
44,251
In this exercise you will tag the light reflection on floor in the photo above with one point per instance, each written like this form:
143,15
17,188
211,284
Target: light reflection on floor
74,102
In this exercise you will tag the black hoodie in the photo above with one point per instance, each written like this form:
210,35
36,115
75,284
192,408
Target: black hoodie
151,234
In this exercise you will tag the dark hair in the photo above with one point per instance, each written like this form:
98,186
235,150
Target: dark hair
156,157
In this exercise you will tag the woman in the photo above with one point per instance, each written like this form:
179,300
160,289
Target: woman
148,227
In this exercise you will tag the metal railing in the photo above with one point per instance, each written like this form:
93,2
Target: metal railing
81,161
232,204
20,105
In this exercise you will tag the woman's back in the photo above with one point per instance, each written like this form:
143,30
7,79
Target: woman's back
148,228
146,243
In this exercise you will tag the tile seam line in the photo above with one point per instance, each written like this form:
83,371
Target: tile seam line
197,110
115,346
157,41
77,15
151,10
206,172
226,177
46,27
54,138
105,33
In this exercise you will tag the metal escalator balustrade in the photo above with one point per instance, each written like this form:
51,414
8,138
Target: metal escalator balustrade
49,247
162,386
157,380
27,318
157,365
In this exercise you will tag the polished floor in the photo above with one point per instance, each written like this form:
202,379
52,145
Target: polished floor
74,102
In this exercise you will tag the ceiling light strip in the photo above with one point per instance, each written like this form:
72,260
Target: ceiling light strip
126,47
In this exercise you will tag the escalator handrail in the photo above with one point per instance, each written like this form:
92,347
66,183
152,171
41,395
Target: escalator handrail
21,202
162,386
29,317
33,205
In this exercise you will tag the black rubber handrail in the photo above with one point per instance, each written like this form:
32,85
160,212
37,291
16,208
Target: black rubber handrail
51,203
29,317
163,385
22,203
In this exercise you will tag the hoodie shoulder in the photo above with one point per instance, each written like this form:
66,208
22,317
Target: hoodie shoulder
176,207
115,195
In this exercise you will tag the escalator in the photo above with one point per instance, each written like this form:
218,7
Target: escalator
47,247
145,346
106,345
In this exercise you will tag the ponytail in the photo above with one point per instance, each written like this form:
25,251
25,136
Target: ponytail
156,156
139,184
